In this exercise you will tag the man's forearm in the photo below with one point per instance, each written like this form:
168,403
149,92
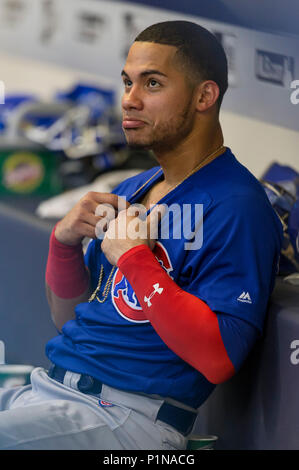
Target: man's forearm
67,280
184,322
63,310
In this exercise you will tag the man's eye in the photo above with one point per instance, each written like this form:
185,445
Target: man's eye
127,83
153,83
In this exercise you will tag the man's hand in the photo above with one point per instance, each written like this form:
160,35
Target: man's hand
128,230
81,220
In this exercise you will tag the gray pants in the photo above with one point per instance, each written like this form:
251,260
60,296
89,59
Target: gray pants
50,415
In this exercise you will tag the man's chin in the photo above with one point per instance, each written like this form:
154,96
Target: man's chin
135,145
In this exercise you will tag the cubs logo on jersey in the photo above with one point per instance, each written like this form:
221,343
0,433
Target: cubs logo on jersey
123,296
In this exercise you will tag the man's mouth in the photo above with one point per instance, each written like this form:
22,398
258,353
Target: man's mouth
129,123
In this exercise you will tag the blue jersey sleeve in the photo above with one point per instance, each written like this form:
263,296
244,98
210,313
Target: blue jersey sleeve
238,337
234,270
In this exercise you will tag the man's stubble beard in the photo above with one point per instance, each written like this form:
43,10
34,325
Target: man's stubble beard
169,134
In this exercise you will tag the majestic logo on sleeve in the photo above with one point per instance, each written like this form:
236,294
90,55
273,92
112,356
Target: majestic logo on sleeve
124,298
245,297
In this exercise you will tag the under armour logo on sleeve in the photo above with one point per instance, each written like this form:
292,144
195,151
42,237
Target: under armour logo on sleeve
157,289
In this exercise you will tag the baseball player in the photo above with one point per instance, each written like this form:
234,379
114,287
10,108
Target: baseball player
149,325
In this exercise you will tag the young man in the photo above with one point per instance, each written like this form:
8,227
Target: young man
149,325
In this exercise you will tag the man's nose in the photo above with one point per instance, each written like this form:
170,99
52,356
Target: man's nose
132,99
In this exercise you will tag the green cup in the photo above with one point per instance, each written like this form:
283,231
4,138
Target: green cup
12,375
201,442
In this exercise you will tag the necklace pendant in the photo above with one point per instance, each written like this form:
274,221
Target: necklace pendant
92,297
94,294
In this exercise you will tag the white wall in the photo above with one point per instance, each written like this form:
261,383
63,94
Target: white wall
257,144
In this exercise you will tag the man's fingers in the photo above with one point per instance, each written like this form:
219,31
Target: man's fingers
133,223
88,230
117,202
106,210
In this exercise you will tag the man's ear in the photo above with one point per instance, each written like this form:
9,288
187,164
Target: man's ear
207,95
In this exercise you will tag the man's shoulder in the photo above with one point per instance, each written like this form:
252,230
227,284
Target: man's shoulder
230,182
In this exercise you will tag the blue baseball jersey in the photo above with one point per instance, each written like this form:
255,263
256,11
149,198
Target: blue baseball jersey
232,268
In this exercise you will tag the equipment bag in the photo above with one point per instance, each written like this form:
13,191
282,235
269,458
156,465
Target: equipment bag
281,184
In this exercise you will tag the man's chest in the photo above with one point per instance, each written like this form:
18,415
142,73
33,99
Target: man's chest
154,195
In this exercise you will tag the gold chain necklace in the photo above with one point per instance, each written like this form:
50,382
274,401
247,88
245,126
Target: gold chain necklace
202,163
107,286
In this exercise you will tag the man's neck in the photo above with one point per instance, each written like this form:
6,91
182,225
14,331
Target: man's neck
181,160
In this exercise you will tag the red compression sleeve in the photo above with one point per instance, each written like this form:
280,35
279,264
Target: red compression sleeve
184,322
66,273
